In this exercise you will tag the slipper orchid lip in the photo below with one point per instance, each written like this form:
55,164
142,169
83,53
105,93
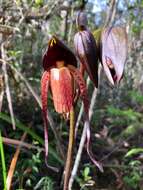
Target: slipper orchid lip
114,52
62,91
57,51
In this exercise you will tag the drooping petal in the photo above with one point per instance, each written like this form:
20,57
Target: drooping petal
88,134
82,86
44,95
114,52
57,51
62,89
83,93
87,53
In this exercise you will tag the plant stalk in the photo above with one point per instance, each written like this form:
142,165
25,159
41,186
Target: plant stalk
70,150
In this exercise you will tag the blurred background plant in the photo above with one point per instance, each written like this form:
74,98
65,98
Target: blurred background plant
25,27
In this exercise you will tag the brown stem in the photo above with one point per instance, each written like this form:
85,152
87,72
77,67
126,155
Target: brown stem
13,163
70,151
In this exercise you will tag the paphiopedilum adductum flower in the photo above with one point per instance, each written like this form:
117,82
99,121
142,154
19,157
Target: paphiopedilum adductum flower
86,48
113,52
61,75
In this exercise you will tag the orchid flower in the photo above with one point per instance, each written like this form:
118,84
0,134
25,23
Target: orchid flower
113,52
86,49
61,75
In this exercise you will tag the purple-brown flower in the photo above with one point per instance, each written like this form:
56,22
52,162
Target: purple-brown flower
60,74
114,52
86,49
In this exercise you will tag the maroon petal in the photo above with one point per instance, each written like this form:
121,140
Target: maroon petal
86,50
44,95
88,134
114,52
57,51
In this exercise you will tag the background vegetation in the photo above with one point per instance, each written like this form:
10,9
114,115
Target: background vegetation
25,27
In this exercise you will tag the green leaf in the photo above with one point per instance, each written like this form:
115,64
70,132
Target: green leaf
86,172
29,131
134,151
128,114
132,129
136,96
39,2
3,162
97,35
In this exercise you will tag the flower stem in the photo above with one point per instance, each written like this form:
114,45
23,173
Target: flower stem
70,150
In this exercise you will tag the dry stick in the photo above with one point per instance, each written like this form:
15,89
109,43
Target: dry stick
10,141
70,150
1,99
21,14
8,30
81,111
37,98
13,164
78,157
71,24
1,91
7,90
111,13
65,25
52,8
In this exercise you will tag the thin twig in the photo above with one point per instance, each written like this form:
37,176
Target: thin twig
71,24
111,13
78,156
1,91
17,143
13,163
7,89
21,13
8,30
